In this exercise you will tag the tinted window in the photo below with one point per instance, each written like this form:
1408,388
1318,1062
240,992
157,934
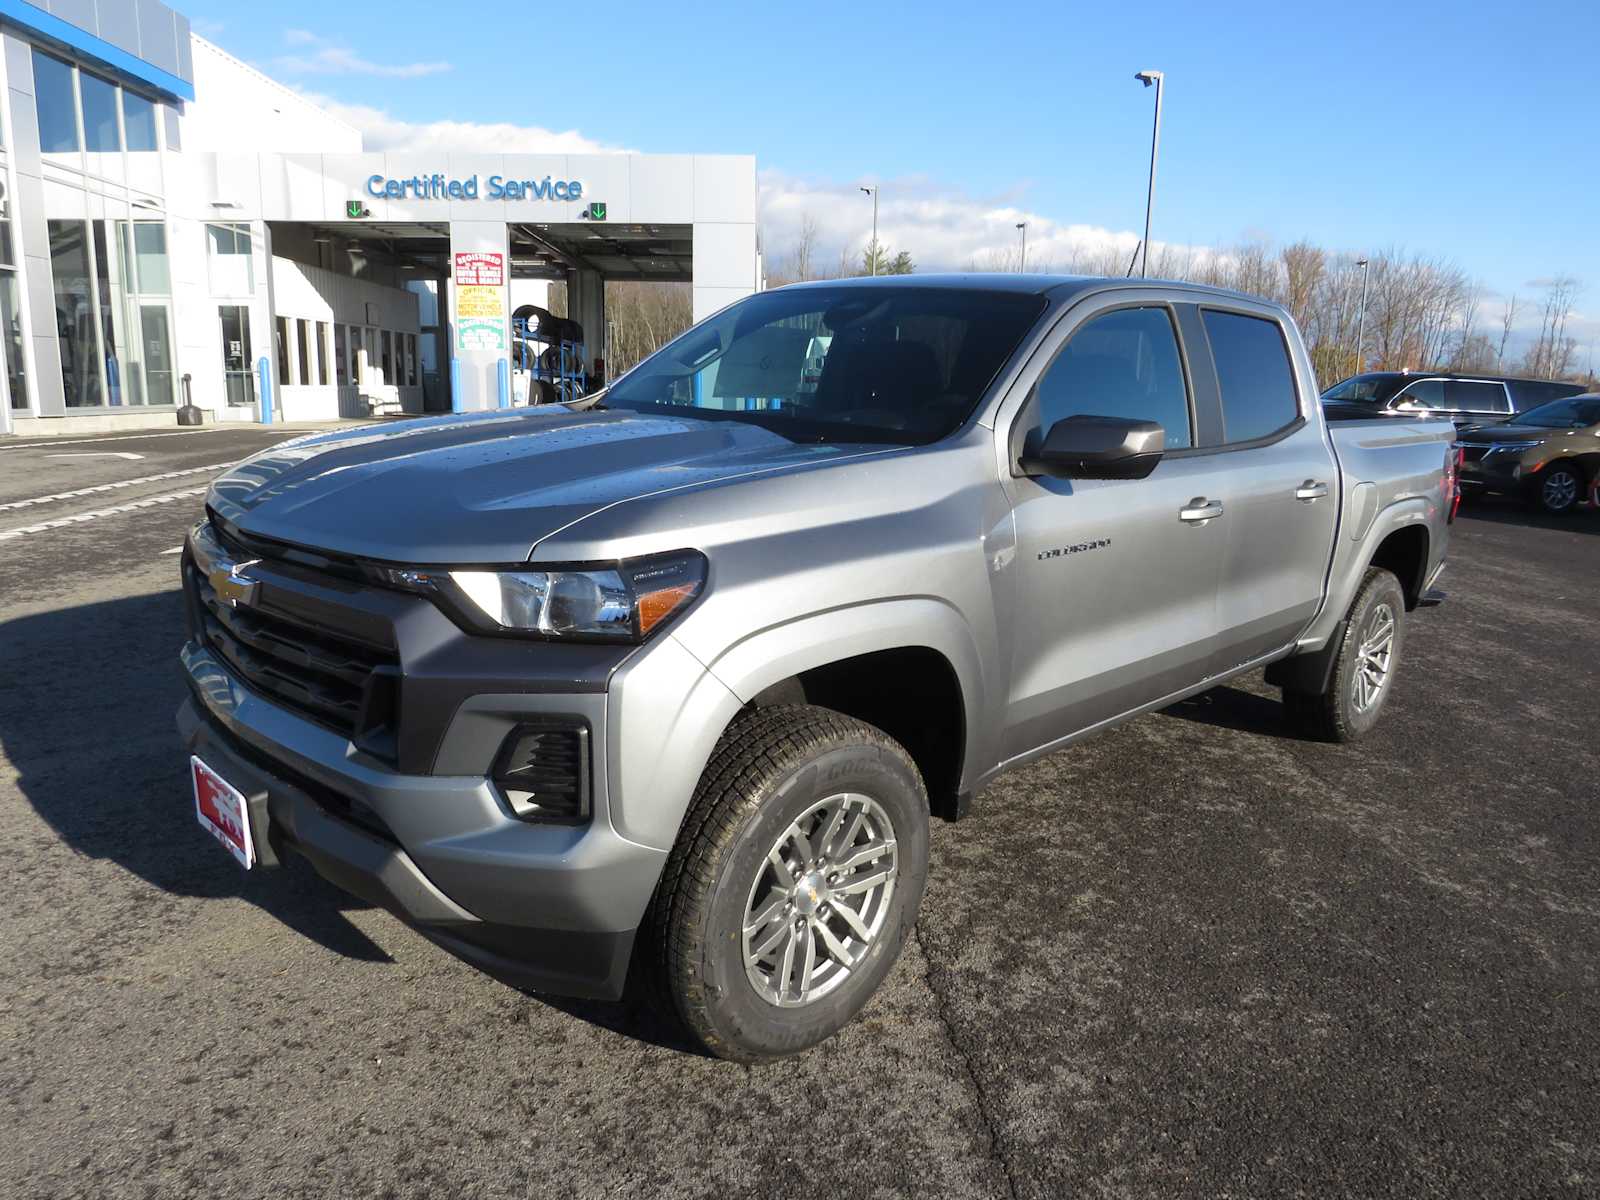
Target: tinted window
1425,393
139,121
838,363
1527,394
58,112
1462,396
99,114
1258,396
1123,364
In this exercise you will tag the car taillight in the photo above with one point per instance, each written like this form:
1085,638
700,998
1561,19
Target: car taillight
1454,456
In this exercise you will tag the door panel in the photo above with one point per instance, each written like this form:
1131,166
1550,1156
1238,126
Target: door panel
1279,543
1116,597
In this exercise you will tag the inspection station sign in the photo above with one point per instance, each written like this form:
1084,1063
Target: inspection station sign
480,300
495,187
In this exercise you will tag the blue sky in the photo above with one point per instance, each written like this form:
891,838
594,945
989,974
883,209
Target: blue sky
1449,130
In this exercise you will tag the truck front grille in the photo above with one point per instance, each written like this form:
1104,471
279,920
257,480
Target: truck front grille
347,685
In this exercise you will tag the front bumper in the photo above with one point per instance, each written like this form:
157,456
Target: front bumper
1493,473
548,907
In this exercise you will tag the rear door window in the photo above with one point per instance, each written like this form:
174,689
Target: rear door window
1122,364
1465,396
1253,371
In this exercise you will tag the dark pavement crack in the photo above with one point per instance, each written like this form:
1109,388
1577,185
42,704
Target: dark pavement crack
941,1006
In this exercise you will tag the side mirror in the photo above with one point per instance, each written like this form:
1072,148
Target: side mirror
1085,447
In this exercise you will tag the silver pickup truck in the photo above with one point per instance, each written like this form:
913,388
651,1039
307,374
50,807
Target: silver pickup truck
669,685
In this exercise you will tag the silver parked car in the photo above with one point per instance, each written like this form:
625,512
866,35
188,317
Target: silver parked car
670,681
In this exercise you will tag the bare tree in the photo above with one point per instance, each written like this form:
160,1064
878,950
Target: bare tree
1507,320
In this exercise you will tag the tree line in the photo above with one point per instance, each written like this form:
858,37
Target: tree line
1421,312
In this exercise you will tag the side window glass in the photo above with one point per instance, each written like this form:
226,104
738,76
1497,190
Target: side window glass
1424,394
1122,364
1253,372
1475,397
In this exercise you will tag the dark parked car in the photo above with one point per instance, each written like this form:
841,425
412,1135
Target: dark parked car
1550,454
1465,399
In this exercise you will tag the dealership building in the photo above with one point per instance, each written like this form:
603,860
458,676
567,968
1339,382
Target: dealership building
178,228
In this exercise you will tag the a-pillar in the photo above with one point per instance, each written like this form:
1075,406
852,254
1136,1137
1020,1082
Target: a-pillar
586,304
480,331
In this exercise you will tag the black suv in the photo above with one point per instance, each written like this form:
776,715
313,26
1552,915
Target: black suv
1465,399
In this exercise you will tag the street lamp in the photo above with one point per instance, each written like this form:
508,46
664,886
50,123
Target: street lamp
1147,78
1361,321
873,192
1022,255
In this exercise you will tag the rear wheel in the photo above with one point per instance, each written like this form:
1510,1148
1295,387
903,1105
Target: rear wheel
1559,488
793,885
1364,668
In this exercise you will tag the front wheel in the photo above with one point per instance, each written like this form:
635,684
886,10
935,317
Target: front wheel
1559,488
1364,668
794,883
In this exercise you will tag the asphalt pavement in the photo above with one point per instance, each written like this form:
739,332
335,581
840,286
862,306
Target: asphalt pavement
1192,957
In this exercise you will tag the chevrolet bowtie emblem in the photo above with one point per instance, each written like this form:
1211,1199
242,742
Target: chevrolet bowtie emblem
232,587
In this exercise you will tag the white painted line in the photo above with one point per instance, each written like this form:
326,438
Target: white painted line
111,487
80,518
137,437
127,454
174,550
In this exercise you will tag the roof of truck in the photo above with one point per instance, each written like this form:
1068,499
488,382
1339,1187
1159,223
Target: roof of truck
1000,281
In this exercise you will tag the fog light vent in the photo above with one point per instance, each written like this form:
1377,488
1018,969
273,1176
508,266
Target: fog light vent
543,771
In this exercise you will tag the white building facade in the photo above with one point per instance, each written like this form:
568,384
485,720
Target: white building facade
179,228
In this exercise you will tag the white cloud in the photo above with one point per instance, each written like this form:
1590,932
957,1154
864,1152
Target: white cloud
317,56
381,131
944,228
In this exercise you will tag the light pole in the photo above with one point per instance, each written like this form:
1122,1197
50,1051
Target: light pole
1361,321
1022,255
873,245
1147,78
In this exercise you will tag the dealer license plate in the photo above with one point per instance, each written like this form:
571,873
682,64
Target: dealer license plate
222,811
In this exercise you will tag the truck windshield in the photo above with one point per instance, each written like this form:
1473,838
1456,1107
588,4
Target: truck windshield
844,363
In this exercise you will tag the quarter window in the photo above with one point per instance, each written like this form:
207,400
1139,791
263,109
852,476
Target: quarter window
1122,364
1253,372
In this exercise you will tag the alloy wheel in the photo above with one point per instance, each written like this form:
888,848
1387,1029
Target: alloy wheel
820,900
1374,657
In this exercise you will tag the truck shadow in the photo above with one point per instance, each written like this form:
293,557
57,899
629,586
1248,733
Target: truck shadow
1233,708
87,697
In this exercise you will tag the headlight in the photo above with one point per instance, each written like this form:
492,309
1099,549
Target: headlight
622,602
1500,447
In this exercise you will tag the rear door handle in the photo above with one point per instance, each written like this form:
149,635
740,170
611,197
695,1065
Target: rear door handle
1200,510
1311,489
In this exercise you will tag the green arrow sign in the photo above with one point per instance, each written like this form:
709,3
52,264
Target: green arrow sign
597,211
354,208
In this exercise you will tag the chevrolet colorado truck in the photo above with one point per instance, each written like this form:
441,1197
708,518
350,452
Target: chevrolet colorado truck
668,682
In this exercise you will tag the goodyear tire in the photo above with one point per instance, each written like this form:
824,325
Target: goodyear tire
793,885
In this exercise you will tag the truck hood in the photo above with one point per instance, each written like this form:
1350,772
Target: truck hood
487,487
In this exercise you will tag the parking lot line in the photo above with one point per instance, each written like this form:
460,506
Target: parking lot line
111,487
80,518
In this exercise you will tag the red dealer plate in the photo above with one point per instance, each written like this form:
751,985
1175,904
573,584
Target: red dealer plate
221,810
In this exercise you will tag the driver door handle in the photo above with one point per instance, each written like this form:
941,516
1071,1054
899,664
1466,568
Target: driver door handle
1200,510
1311,489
